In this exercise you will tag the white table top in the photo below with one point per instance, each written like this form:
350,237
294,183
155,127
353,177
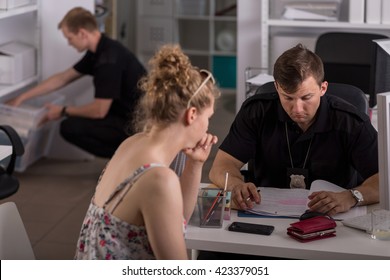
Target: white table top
349,243
5,151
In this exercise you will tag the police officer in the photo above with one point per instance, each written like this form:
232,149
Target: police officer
299,134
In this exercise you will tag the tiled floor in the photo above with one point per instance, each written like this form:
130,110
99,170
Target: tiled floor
54,194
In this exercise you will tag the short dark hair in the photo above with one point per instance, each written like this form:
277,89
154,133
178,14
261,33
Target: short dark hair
295,65
78,18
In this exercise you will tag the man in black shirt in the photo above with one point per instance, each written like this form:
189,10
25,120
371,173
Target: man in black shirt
297,135
100,126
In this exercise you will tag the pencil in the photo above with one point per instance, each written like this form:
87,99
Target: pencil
216,201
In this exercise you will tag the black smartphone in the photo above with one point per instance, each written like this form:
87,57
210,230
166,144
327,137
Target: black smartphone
251,228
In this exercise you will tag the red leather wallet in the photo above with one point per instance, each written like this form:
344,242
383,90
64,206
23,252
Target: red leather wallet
312,229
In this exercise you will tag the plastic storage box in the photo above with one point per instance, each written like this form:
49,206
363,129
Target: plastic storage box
26,120
29,114
35,145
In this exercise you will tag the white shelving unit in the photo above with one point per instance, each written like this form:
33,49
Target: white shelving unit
258,22
271,24
36,25
26,29
18,11
154,27
206,31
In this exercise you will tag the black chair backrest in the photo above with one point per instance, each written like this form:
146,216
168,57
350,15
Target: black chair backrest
349,93
347,57
8,183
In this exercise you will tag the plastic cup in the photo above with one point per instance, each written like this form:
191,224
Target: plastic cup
380,224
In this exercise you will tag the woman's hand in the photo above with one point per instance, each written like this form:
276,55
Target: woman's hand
202,149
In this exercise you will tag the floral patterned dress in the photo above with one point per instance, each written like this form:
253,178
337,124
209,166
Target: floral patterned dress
104,236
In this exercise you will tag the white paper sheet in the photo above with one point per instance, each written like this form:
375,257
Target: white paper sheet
293,202
260,79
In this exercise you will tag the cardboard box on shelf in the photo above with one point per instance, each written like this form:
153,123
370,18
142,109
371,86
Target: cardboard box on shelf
17,62
10,4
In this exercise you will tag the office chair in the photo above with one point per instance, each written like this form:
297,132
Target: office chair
347,57
14,241
347,93
9,184
351,94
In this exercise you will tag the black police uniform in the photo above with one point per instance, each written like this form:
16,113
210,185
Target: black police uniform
115,72
340,146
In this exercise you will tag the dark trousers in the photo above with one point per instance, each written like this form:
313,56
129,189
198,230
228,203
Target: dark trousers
100,137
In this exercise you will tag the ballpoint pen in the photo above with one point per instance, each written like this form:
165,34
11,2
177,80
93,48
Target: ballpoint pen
251,196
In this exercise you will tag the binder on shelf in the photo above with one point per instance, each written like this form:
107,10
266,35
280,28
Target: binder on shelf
385,19
356,11
373,11
324,10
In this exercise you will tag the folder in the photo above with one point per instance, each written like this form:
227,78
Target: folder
373,11
356,11
385,19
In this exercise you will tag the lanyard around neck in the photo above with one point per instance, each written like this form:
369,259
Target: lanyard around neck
289,150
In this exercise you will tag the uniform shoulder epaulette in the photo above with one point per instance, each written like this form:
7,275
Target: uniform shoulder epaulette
341,105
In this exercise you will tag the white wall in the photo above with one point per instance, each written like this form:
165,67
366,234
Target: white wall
248,42
57,56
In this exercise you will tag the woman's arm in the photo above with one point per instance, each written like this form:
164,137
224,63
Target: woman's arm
162,212
192,173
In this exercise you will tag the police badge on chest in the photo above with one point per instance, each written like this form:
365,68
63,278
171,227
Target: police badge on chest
298,178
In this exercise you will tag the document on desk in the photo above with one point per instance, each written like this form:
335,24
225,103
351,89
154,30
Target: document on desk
260,79
293,202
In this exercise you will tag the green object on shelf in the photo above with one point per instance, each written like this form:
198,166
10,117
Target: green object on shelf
224,70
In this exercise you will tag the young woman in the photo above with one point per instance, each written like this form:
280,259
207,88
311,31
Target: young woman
140,207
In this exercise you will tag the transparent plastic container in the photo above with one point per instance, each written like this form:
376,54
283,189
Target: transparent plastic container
35,145
26,119
29,114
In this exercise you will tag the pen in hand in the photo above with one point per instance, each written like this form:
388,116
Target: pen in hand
251,196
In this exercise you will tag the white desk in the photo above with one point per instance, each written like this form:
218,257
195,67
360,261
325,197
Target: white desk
348,244
5,151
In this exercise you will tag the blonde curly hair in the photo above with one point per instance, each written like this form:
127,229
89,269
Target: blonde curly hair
169,87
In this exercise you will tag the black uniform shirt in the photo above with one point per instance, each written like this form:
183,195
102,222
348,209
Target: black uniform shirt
115,72
343,142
